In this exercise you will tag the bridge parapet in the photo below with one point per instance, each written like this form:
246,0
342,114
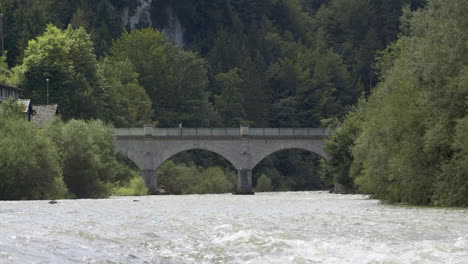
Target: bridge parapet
224,132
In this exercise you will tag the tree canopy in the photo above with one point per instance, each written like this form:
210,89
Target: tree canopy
409,146
262,63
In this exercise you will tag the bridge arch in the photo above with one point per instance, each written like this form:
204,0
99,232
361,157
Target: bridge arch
230,150
315,147
170,154
259,159
296,169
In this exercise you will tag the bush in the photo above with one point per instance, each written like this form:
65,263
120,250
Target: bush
29,167
185,179
339,148
87,157
452,186
136,187
177,178
264,184
212,180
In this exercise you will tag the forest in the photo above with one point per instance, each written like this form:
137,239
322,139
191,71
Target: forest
391,76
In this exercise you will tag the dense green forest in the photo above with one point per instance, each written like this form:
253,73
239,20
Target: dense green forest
408,142
264,63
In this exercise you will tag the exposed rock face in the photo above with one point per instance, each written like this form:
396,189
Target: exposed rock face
140,16
174,30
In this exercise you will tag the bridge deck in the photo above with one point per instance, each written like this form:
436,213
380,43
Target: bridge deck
224,132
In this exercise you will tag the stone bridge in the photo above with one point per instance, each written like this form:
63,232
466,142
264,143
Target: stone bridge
243,147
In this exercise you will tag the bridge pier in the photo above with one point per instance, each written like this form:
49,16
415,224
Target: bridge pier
150,180
244,182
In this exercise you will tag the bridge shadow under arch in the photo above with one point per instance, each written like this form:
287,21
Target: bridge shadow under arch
201,157
186,171
290,169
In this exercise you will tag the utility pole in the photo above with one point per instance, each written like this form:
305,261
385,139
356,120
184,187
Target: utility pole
47,80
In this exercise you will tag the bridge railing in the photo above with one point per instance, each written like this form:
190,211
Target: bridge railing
289,131
193,132
227,132
129,132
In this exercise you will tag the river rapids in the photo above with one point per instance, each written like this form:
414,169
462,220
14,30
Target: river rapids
289,227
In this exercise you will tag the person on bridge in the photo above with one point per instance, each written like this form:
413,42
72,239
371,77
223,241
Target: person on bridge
180,125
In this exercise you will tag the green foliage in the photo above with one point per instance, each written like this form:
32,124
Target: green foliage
339,148
212,180
269,42
46,163
27,19
263,184
291,170
326,88
10,108
187,179
284,113
356,29
23,20
409,149
67,59
264,63
7,76
279,181
177,179
29,167
229,104
4,69
128,103
286,73
452,182
136,187
175,80
87,157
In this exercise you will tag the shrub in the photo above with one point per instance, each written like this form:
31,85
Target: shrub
29,167
264,184
136,187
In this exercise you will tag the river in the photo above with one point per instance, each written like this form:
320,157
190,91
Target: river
290,227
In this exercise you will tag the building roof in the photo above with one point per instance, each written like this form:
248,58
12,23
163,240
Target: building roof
26,103
43,113
2,85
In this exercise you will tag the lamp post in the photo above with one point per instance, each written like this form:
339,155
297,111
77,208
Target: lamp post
1,28
47,80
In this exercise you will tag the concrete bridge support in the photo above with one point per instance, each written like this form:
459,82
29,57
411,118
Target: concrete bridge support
151,180
244,182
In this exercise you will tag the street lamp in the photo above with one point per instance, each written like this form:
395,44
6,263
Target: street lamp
47,80
1,28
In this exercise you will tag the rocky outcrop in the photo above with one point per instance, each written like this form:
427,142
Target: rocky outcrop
140,15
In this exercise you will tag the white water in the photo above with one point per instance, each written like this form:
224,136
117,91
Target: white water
302,227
